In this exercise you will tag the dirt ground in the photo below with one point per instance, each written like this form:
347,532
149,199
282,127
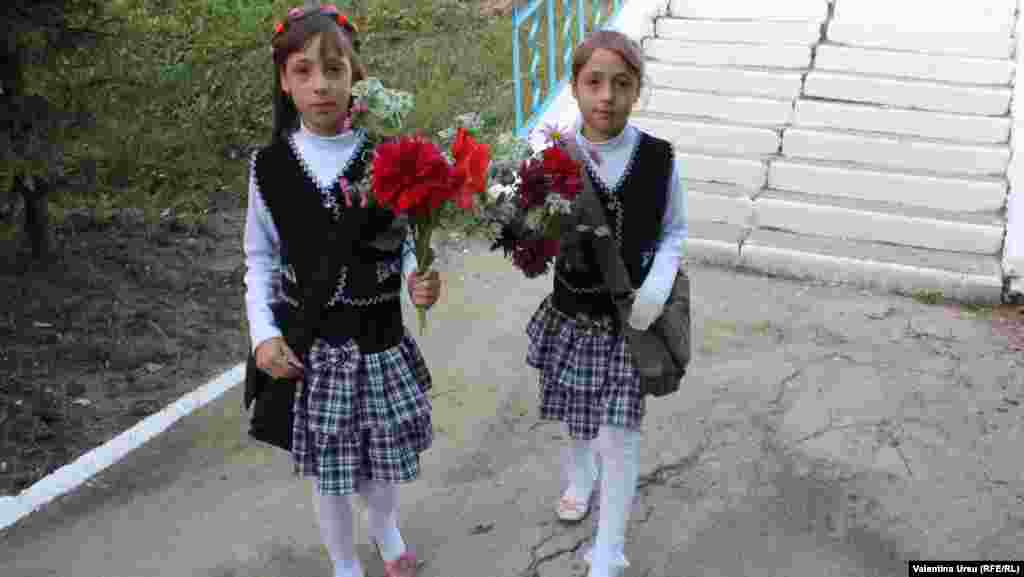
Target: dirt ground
126,320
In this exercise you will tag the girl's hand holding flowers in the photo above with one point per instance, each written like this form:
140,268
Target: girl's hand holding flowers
410,175
424,289
274,357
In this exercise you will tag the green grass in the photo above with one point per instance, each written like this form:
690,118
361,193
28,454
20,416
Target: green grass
183,92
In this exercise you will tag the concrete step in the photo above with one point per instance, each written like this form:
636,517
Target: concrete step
961,69
751,32
898,36
908,94
779,10
716,208
878,266
945,193
704,136
918,123
719,189
736,109
714,243
896,153
779,84
837,222
786,56
994,16
888,206
744,172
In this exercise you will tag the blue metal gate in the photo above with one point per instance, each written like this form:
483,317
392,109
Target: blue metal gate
571,17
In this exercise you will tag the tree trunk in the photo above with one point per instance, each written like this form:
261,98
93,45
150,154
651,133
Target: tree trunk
37,232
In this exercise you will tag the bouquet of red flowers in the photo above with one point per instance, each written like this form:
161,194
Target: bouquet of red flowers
413,178
528,210
410,174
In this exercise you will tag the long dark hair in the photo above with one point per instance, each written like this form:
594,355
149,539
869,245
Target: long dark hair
298,34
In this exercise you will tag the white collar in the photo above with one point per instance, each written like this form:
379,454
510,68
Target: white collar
624,138
308,135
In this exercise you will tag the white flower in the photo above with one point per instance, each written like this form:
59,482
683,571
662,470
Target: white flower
497,190
470,120
390,105
555,204
367,87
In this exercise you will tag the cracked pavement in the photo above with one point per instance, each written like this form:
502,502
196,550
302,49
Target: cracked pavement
822,430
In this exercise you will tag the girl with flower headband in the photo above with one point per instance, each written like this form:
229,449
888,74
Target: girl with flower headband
587,378
334,376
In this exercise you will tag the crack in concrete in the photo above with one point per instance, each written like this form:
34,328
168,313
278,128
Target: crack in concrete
780,389
831,427
914,333
662,473
533,570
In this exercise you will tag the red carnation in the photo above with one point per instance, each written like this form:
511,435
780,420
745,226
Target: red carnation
563,172
472,160
533,186
411,175
534,256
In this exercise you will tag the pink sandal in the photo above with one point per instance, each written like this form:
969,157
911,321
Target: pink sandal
572,511
405,566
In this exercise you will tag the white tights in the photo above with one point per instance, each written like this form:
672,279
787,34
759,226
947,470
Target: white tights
336,525
619,451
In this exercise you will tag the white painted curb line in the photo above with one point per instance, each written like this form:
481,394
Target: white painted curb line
73,475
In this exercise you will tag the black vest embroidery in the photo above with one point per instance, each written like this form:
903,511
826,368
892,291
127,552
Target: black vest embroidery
362,300
635,209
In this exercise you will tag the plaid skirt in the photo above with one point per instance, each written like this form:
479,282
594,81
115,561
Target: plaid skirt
361,417
587,378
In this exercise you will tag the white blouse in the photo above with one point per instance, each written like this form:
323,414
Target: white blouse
614,156
324,158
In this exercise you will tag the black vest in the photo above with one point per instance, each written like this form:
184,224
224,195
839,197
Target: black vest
361,300
635,211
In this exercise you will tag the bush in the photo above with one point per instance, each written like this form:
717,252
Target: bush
182,95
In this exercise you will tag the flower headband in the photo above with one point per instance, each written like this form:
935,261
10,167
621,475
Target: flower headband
327,9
